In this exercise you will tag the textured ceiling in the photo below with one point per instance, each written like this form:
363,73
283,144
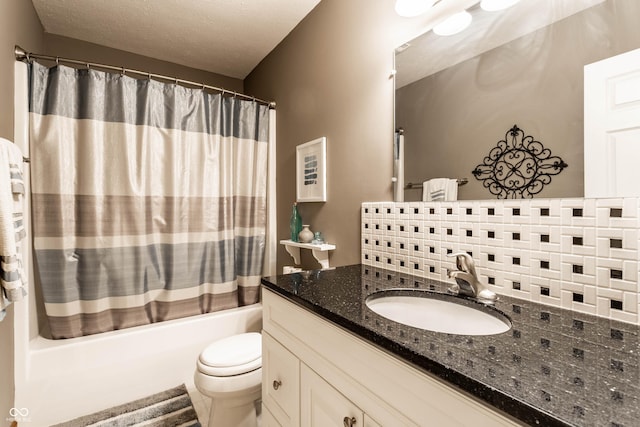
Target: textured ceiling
228,37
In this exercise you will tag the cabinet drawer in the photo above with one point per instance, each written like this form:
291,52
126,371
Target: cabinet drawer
280,381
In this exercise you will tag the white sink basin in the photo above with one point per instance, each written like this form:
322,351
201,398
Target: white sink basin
438,313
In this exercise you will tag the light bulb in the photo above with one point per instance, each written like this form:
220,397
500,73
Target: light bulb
411,8
495,5
453,24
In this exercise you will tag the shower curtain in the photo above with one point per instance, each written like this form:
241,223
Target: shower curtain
149,199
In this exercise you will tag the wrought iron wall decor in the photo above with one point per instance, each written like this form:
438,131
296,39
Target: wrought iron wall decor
518,167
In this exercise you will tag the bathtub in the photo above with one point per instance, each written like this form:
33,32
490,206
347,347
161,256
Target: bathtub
57,380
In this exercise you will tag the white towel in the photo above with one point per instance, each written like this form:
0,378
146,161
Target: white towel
440,190
12,278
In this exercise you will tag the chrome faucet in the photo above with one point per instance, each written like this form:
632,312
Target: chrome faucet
467,282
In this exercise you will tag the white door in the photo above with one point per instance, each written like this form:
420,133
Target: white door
612,126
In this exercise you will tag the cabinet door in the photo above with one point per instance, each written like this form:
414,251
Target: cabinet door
280,381
267,418
323,406
368,422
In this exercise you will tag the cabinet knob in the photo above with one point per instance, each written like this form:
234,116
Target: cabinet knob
276,384
349,422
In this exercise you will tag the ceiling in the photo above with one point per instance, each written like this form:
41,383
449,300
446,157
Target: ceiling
228,37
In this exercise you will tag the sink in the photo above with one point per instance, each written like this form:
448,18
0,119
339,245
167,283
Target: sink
438,312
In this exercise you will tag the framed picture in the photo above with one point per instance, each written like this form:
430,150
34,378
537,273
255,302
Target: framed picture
311,171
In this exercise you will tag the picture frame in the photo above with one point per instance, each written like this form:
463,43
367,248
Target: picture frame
311,171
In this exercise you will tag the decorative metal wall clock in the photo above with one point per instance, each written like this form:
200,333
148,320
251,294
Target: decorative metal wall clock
518,167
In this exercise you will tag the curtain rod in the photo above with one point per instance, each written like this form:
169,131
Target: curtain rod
22,55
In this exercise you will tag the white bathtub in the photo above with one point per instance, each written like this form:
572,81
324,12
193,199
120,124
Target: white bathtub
61,379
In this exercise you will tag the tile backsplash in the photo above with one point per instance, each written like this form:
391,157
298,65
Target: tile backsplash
578,254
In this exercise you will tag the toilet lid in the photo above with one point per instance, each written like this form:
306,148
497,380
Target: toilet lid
233,355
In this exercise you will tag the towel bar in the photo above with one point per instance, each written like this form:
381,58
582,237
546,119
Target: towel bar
412,185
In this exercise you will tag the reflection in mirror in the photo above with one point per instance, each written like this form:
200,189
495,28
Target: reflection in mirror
456,95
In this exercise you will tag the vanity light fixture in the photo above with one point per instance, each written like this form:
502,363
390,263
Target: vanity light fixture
495,5
411,8
453,24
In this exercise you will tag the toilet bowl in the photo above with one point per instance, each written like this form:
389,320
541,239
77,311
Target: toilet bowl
229,371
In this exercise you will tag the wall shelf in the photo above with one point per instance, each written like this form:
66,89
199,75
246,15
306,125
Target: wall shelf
320,252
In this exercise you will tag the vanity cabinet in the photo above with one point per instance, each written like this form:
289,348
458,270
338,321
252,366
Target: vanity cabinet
318,374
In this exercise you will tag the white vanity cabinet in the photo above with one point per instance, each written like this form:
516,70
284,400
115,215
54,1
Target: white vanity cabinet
318,374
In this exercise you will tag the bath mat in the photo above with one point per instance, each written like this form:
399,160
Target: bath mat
170,408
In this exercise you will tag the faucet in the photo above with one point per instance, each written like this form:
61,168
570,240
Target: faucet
467,282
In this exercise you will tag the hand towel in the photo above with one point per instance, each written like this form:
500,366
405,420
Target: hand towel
12,278
440,190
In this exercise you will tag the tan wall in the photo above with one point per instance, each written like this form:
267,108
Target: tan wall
331,77
453,118
19,25
55,45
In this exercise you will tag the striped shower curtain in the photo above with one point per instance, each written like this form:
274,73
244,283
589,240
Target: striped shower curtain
149,199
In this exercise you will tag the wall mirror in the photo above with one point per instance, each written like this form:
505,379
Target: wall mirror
457,96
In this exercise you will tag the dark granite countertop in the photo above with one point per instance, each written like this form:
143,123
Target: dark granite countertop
553,367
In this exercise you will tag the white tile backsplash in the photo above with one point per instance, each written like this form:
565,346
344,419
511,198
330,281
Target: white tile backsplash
578,254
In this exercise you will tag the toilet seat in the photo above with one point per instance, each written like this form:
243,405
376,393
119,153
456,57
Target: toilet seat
234,355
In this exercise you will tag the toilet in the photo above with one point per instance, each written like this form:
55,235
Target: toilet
229,371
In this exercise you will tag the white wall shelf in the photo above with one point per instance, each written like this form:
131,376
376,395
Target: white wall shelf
320,251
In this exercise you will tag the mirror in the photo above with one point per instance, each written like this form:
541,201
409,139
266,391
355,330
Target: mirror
458,96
